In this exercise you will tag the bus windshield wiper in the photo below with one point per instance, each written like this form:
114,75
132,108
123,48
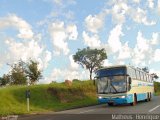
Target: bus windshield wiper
113,87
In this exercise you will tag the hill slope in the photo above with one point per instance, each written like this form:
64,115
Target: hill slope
52,97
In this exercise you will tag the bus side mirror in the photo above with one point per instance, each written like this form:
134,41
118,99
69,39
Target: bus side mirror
94,81
129,80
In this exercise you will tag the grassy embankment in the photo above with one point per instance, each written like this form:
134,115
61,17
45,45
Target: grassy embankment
44,98
157,88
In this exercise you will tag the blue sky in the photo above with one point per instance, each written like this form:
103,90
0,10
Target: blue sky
51,31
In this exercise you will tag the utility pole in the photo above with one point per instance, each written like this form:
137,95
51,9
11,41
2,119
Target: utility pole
28,94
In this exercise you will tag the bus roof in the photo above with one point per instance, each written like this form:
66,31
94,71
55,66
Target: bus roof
119,66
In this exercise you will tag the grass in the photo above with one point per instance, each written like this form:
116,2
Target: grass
51,97
157,88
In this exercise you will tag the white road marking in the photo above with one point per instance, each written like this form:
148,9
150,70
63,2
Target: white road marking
86,111
154,108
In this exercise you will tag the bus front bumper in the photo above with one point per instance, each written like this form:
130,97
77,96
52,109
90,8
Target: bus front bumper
113,100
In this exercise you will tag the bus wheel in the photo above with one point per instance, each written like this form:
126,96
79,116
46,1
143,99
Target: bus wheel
150,96
146,100
135,101
110,104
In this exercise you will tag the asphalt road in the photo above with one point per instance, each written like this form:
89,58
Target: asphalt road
99,112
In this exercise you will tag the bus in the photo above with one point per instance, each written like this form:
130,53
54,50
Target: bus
123,85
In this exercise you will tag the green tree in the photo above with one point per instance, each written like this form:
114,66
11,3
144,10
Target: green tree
145,69
32,72
155,76
4,80
18,75
90,59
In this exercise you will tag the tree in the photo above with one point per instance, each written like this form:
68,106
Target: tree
145,69
90,59
17,75
4,80
32,71
155,76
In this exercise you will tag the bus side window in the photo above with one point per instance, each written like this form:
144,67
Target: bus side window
144,76
149,79
138,75
135,74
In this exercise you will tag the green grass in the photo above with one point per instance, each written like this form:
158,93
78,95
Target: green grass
51,97
157,88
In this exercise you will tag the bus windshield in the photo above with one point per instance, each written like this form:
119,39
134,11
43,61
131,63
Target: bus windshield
111,84
111,72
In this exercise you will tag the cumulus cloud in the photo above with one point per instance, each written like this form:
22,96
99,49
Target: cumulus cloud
114,39
107,63
144,52
155,39
73,65
60,34
91,41
94,23
118,12
151,4
25,30
158,7
136,1
125,52
140,16
60,75
25,51
156,55
122,10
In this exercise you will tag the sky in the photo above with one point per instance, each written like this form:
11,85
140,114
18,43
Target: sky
51,31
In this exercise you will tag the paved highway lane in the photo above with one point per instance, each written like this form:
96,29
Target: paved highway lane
152,107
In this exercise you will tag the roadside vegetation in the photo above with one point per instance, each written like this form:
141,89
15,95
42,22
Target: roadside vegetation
157,88
44,98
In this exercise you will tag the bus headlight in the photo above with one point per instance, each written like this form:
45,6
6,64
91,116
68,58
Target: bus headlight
122,96
100,97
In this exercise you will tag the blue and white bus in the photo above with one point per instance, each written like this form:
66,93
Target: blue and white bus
123,84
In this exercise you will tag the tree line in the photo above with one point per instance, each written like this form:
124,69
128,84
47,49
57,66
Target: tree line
22,73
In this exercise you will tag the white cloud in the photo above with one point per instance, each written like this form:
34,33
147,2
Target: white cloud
136,1
140,16
18,50
144,52
114,39
25,30
158,7
151,4
91,41
45,58
107,63
155,39
142,43
73,65
25,51
60,75
123,9
125,52
157,55
94,23
118,12
72,32
60,35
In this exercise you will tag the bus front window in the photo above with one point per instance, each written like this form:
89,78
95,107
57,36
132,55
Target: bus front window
111,84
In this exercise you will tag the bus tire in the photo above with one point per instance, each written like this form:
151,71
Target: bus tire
135,100
150,96
110,104
147,99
